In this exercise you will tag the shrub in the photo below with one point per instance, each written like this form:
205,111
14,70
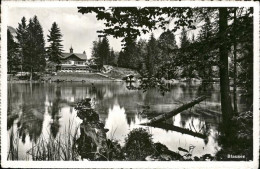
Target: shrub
138,144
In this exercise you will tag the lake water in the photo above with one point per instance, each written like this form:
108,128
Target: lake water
37,109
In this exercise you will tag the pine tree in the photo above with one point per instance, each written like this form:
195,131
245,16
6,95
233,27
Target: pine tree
55,48
132,55
152,55
112,57
167,45
168,52
226,106
184,38
34,49
206,55
96,53
40,44
184,55
142,51
21,36
104,51
94,49
12,53
122,61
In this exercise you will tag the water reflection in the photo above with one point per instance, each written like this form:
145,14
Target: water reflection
55,113
34,109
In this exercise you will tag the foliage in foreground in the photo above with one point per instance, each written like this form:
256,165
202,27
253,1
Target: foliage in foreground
138,144
241,140
59,148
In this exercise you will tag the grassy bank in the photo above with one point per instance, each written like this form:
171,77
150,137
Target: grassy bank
115,74
78,77
120,73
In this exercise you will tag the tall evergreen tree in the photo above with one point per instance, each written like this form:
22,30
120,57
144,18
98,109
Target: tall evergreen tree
40,44
112,57
184,55
184,38
12,53
96,53
21,36
206,56
168,52
234,39
104,51
142,51
226,107
152,55
122,60
167,45
245,53
34,50
132,55
55,48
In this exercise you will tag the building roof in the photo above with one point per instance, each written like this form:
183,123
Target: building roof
79,55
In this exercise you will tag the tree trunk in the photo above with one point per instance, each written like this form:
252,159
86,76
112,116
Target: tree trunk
226,106
178,129
235,65
174,112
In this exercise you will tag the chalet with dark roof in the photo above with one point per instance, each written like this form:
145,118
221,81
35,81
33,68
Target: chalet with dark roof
73,62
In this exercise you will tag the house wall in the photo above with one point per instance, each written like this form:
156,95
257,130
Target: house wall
71,69
73,64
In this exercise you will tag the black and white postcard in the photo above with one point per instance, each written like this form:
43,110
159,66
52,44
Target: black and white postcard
116,84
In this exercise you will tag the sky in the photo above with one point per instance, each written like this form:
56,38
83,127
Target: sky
79,31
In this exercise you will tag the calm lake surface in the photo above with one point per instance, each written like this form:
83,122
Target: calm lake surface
36,109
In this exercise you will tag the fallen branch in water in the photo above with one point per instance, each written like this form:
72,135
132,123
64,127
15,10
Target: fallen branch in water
174,112
177,129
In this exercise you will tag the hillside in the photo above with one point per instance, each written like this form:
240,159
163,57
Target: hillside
12,30
119,72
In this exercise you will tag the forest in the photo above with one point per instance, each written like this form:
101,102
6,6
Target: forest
223,49
27,50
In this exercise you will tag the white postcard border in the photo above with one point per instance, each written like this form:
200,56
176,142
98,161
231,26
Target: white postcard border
124,164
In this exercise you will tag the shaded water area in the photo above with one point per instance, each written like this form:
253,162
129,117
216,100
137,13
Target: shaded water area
36,109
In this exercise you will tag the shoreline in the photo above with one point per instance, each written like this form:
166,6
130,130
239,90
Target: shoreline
39,81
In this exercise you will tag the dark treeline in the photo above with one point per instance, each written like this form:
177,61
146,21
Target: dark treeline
102,54
197,57
27,51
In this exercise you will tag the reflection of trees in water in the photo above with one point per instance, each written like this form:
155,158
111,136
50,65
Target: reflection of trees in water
14,103
30,122
31,101
10,120
183,121
211,90
106,94
13,109
100,93
130,117
197,124
205,88
55,113
178,93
